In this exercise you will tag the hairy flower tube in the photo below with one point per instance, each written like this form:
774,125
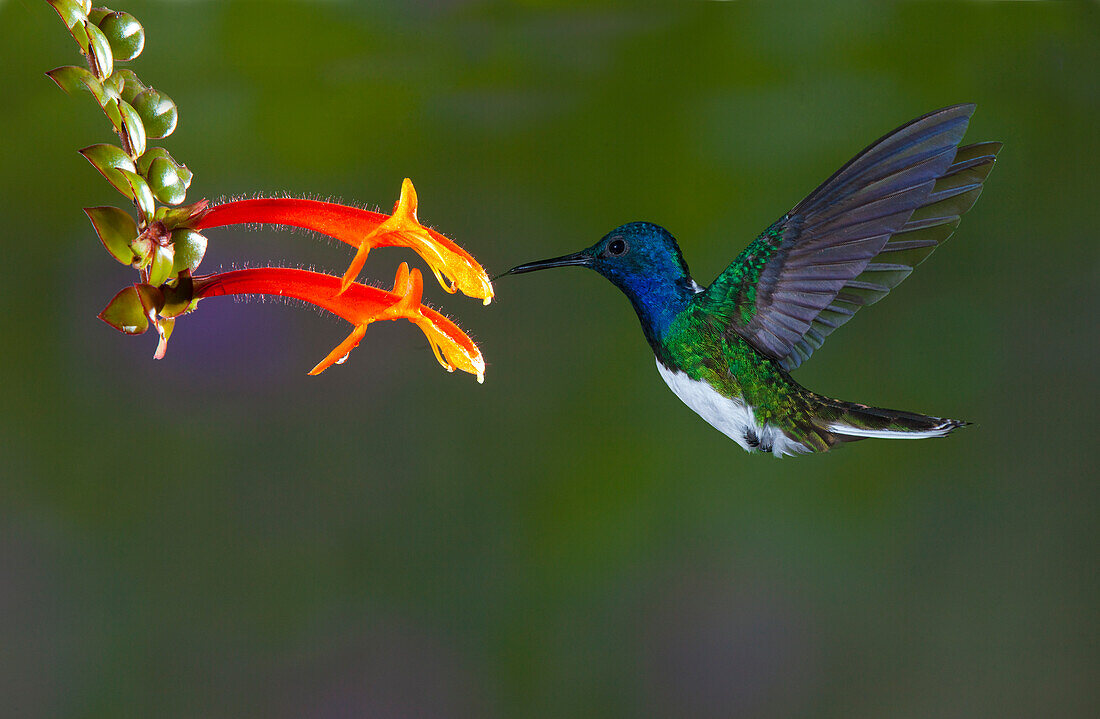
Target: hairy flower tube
359,304
363,230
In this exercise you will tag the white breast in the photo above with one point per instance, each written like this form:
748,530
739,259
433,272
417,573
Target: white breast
730,416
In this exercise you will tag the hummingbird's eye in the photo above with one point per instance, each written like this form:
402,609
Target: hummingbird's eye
616,247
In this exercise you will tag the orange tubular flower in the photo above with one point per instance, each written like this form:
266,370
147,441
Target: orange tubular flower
363,230
359,304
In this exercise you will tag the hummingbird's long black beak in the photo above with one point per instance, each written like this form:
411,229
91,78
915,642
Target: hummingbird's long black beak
577,258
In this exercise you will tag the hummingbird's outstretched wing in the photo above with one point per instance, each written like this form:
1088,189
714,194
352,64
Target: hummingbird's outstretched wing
852,239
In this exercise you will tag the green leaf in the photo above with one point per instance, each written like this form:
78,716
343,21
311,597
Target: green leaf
132,129
111,162
69,11
126,312
168,180
125,34
99,50
157,111
138,190
116,230
161,267
190,249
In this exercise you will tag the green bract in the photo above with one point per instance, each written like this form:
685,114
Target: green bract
116,230
128,311
71,78
99,52
131,129
161,268
173,217
111,161
124,32
71,12
138,190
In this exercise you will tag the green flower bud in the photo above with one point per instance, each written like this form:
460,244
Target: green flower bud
127,83
116,230
168,180
124,32
179,296
98,13
151,154
190,249
157,111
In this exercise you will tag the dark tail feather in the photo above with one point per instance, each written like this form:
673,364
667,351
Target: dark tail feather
857,421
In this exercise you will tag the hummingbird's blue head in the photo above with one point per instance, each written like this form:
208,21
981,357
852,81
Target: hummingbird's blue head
641,259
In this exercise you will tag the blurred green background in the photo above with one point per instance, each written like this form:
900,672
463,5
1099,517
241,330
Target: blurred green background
219,535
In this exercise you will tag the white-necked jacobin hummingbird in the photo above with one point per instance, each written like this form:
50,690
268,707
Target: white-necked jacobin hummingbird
726,350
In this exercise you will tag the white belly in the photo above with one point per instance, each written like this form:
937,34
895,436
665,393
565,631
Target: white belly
730,416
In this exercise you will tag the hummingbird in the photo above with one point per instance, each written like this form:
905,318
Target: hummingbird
727,350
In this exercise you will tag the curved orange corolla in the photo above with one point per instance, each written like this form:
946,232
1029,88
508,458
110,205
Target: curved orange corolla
363,230
359,304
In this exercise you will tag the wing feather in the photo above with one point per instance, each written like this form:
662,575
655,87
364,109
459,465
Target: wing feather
853,239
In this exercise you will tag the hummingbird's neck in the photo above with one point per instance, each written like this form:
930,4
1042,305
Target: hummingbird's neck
658,301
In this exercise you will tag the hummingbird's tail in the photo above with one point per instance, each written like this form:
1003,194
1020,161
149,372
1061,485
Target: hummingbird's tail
853,421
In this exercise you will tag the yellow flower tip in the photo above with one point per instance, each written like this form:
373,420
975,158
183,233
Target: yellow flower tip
401,279
452,266
410,286
407,202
